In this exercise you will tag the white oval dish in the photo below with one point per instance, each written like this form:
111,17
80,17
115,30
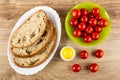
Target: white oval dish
52,15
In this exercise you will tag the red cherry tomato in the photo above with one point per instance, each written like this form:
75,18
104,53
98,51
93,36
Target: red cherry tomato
98,17
76,13
84,19
76,68
103,22
99,53
84,34
73,22
98,29
93,22
84,12
90,15
89,30
93,67
95,11
95,36
77,33
84,54
81,26
76,27
87,39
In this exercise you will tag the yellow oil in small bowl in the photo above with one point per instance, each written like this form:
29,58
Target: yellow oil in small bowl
67,53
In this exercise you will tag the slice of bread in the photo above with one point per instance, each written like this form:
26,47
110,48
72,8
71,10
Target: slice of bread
38,46
30,31
39,58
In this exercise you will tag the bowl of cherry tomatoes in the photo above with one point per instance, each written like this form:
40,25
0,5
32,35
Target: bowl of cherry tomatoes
87,24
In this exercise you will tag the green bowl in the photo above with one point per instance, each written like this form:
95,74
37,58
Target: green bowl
103,34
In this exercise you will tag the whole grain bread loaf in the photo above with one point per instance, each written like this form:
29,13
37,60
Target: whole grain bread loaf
28,33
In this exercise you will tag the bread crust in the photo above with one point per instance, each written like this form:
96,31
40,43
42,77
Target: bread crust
55,39
40,49
14,46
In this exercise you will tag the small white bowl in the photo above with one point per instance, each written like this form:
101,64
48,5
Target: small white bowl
70,58
52,15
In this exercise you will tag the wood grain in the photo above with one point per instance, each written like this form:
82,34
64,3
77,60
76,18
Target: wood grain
10,12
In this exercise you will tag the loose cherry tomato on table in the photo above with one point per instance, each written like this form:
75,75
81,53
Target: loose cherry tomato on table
76,13
94,67
73,22
99,53
103,22
98,29
84,19
95,11
84,12
84,54
95,36
89,30
81,26
87,39
77,33
93,22
76,67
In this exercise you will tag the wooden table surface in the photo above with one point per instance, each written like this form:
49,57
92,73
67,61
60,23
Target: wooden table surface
10,12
